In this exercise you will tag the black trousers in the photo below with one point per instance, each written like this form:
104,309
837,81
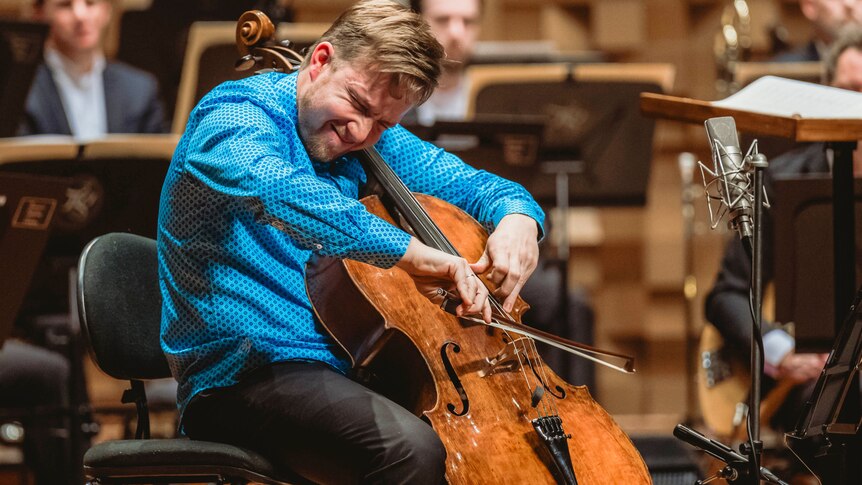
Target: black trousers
320,424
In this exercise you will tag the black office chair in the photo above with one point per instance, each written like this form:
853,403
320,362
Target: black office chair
120,310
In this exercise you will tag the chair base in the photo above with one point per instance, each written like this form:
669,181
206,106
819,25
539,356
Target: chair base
178,461
176,474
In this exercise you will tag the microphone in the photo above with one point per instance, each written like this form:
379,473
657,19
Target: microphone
731,178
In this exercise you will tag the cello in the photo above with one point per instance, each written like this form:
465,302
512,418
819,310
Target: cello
501,414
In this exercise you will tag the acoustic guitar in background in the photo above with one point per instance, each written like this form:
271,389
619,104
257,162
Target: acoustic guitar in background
723,382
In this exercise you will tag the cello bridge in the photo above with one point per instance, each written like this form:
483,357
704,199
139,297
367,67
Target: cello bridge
508,359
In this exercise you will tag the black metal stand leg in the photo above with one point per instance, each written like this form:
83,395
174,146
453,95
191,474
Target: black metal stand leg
844,240
754,447
562,171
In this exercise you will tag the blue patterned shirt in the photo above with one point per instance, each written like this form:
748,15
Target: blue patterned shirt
243,209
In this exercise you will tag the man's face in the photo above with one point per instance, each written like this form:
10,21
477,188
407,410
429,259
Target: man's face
830,16
455,24
343,107
848,70
76,25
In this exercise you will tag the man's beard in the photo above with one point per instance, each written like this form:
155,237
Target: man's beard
316,149
314,144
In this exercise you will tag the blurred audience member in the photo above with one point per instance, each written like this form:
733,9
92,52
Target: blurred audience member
455,23
828,18
77,91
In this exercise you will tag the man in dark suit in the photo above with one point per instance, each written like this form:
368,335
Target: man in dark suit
828,18
76,91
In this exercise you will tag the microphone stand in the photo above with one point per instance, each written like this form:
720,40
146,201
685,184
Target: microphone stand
749,471
754,448
746,468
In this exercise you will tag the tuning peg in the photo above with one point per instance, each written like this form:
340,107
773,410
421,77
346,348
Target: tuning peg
246,62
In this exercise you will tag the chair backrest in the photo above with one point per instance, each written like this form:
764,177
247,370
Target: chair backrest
747,72
211,54
482,76
119,304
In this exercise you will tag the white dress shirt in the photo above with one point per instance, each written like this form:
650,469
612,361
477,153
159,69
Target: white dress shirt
82,95
448,104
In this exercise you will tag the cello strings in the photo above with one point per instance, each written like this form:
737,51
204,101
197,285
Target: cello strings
523,365
524,341
543,371
527,342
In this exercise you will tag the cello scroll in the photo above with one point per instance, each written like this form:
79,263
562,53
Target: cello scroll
255,35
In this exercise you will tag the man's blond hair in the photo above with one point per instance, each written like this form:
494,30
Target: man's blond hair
385,36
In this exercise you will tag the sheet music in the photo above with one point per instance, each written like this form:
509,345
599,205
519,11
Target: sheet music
787,97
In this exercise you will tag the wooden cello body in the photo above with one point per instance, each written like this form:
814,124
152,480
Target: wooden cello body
470,381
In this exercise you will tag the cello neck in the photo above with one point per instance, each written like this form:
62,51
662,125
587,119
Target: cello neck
410,208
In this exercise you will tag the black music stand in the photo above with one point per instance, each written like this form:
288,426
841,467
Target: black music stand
831,418
28,208
506,145
596,123
21,45
804,259
106,195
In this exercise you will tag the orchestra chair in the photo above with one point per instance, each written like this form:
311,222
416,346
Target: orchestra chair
747,72
211,54
119,305
481,76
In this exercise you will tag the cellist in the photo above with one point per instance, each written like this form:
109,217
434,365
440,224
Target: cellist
260,182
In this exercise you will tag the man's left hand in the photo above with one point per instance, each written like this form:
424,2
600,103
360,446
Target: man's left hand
510,256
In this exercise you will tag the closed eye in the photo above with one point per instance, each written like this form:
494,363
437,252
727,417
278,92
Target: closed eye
358,103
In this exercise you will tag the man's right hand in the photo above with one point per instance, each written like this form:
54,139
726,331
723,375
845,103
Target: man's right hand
801,367
432,269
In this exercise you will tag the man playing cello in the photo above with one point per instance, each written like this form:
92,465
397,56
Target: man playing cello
261,181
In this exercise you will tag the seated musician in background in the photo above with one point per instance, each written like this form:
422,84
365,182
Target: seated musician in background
77,91
828,18
456,24
261,181
727,305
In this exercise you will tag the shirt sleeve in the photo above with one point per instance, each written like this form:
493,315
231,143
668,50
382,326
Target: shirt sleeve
431,170
240,150
776,345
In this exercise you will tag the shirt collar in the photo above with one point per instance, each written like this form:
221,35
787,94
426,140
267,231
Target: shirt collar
62,65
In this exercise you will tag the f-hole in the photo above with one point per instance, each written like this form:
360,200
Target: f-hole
453,377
